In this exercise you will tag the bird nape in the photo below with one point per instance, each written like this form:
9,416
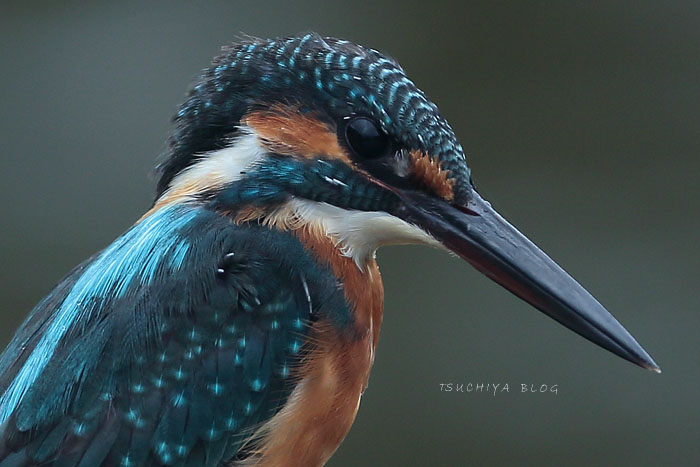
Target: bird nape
236,321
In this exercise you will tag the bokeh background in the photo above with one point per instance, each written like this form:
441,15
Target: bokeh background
581,124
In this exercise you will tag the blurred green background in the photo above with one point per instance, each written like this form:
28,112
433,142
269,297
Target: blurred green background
581,122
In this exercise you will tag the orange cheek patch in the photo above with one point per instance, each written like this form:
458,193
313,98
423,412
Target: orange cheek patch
287,131
429,172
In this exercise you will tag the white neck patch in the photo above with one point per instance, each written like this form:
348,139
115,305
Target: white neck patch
217,168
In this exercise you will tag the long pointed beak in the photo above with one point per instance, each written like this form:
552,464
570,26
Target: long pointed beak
478,234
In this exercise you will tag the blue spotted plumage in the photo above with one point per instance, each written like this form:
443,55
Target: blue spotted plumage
170,345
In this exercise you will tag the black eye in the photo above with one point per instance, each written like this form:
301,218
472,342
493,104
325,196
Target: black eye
365,138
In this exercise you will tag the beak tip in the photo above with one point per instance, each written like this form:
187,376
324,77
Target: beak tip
645,361
641,358
652,366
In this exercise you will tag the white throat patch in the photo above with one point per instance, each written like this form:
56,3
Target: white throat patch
358,234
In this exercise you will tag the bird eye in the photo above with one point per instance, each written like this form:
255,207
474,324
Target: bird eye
365,138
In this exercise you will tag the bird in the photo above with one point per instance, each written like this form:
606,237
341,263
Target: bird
237,320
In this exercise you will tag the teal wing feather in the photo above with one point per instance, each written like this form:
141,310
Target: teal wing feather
168,348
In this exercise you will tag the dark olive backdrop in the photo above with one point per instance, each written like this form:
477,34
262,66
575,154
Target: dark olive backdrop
581,124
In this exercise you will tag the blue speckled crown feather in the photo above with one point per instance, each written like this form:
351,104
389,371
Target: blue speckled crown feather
331,74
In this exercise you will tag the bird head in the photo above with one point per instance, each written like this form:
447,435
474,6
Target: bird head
323,133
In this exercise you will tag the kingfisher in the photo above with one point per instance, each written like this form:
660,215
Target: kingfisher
236,322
